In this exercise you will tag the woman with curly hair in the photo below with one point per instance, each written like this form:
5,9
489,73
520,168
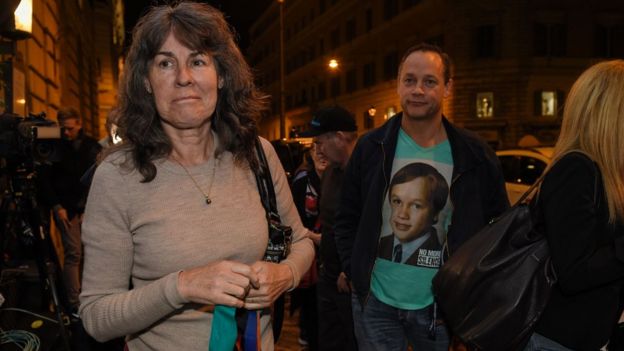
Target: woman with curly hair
174,224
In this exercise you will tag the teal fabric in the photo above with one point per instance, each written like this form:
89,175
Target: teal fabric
224,330
407,149
402,286
408,286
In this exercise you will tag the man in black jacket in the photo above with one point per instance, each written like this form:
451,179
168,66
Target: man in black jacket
393,305
335,133
63,192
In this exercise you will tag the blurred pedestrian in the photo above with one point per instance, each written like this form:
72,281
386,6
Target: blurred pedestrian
63,192
306,189
175,231
335,134
581,207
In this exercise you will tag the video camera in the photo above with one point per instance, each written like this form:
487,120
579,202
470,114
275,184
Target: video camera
27,142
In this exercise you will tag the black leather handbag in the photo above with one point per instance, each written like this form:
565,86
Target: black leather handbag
493,289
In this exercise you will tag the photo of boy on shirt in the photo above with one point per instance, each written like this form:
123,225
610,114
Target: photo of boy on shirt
417,193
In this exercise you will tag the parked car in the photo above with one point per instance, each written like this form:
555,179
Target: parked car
522,167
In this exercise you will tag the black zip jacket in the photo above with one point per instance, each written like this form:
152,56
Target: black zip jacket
587,255
477,193
60,183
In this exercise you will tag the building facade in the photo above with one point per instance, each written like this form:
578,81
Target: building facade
514,60
70,59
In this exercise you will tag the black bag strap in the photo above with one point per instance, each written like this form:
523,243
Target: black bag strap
531,189
543,175
265,185
267,197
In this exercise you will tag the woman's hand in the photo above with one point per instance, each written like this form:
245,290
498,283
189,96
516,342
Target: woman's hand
219,283
273,279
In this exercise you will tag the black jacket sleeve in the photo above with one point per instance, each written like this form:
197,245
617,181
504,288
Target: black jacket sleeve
583,248
349,211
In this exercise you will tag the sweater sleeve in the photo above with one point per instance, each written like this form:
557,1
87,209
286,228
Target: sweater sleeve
108,307
302,249
582,258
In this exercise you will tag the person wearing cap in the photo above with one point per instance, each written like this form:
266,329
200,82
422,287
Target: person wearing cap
335,134
393,305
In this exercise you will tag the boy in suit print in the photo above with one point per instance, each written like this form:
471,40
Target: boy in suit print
417,193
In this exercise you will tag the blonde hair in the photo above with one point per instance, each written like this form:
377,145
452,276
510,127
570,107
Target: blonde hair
593,122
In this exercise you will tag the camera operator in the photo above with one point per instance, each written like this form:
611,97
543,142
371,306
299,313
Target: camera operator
64,193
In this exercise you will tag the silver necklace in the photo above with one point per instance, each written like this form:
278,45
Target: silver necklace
206,195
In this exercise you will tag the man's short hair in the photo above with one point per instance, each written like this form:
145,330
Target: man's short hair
66,113
438,188
426,47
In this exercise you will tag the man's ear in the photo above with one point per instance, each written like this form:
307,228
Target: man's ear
434,220
447,88
341,135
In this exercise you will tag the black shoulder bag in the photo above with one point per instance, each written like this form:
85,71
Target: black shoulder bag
280,236
494,288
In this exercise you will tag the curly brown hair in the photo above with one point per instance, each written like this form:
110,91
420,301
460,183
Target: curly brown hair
202,28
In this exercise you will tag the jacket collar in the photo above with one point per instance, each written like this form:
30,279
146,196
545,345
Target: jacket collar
463,143
466,154
389,131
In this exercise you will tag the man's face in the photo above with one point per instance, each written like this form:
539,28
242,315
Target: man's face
330,146
412,213
320,162
421,86
71,128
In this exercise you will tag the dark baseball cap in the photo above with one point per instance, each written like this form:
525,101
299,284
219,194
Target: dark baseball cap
330,119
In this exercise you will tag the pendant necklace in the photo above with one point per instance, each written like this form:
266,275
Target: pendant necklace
206,195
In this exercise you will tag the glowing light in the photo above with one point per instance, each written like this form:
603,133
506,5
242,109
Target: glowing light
372,111
333,64
23,16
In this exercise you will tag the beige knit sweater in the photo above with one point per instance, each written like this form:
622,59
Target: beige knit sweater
146,233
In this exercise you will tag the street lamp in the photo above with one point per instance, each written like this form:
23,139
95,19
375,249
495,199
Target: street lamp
16,19
15,24
372,111
333,64
282,131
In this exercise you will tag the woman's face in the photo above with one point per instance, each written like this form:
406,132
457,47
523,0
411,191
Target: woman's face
184,83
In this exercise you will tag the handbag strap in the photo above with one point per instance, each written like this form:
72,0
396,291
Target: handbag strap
531,189
265,185
543,175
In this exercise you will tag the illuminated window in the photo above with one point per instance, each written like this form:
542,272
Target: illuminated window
485,105
549,103
390,111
